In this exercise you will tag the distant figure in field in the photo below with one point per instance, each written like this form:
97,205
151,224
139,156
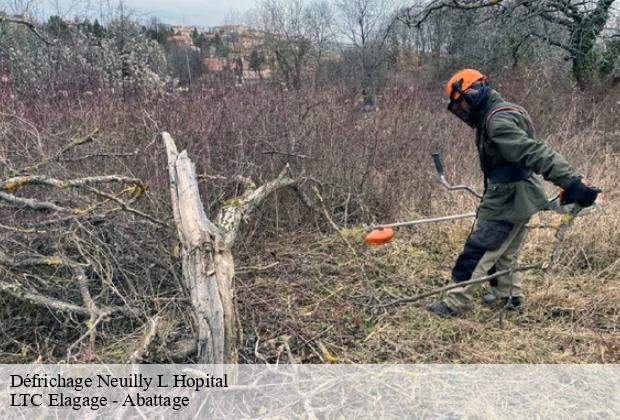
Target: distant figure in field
511,158
366,102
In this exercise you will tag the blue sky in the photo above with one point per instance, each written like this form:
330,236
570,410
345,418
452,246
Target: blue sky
190,12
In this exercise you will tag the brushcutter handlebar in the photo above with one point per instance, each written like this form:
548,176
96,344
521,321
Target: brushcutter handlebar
438,163
555,202
440,174
382,234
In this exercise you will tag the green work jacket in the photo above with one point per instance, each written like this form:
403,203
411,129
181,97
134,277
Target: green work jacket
502,140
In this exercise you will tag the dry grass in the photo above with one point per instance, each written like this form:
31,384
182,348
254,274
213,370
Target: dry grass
319,294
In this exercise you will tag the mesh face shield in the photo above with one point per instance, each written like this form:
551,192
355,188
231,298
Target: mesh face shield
456,108
475,97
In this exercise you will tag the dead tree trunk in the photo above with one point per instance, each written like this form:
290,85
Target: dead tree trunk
206,251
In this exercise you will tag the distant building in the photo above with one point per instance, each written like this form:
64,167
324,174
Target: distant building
184,30
240,42
226,29
215,63
181,40
183,36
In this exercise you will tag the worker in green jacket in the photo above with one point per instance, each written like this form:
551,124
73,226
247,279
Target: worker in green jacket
511,159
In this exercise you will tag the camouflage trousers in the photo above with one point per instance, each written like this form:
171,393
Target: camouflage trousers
492,246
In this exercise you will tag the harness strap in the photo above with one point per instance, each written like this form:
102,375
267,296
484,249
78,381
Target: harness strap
507,106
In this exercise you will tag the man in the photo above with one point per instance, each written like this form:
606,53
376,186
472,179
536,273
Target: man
511,160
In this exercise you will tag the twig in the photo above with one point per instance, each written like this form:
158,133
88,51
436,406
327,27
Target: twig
331,221
126,207
29,25
21,230
98,155
78,142
244,270
146,341
91,329
275,152
16,182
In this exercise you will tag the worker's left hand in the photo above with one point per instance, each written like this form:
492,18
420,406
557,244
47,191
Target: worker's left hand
580,193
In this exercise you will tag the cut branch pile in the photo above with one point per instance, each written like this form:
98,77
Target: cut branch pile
59,253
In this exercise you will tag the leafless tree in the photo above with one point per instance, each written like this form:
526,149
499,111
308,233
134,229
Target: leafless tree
366,26
287,37
298,34
574,26
320,19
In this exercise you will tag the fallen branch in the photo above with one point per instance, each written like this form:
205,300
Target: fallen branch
16,182
36,298
462,284
135,188
41,300
124,206
32,204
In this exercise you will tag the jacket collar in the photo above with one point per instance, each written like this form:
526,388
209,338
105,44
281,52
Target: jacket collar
494,99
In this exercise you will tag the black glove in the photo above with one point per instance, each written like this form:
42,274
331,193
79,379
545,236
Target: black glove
580,193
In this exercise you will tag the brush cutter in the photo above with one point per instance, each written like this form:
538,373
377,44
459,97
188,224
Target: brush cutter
382,234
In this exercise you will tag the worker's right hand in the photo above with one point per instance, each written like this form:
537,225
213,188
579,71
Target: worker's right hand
580,193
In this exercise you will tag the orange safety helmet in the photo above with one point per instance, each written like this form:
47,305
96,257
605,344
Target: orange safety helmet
461,81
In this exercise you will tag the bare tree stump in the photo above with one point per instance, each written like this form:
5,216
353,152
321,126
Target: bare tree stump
206,251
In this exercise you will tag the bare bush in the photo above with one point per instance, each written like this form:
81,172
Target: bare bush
67,57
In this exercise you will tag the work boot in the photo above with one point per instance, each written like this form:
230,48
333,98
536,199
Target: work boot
510,304
489,299
439,308
513,303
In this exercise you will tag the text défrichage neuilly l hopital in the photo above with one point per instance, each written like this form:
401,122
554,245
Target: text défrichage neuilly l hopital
135,380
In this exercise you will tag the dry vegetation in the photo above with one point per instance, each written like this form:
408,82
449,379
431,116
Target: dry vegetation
302,294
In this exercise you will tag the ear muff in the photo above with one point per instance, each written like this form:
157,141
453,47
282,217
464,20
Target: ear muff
457,90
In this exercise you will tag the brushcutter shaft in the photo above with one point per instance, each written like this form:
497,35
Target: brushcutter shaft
426,221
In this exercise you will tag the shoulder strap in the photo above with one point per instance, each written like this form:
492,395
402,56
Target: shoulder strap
509,106
502,106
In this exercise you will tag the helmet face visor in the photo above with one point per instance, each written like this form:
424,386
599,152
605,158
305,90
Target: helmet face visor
455,107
